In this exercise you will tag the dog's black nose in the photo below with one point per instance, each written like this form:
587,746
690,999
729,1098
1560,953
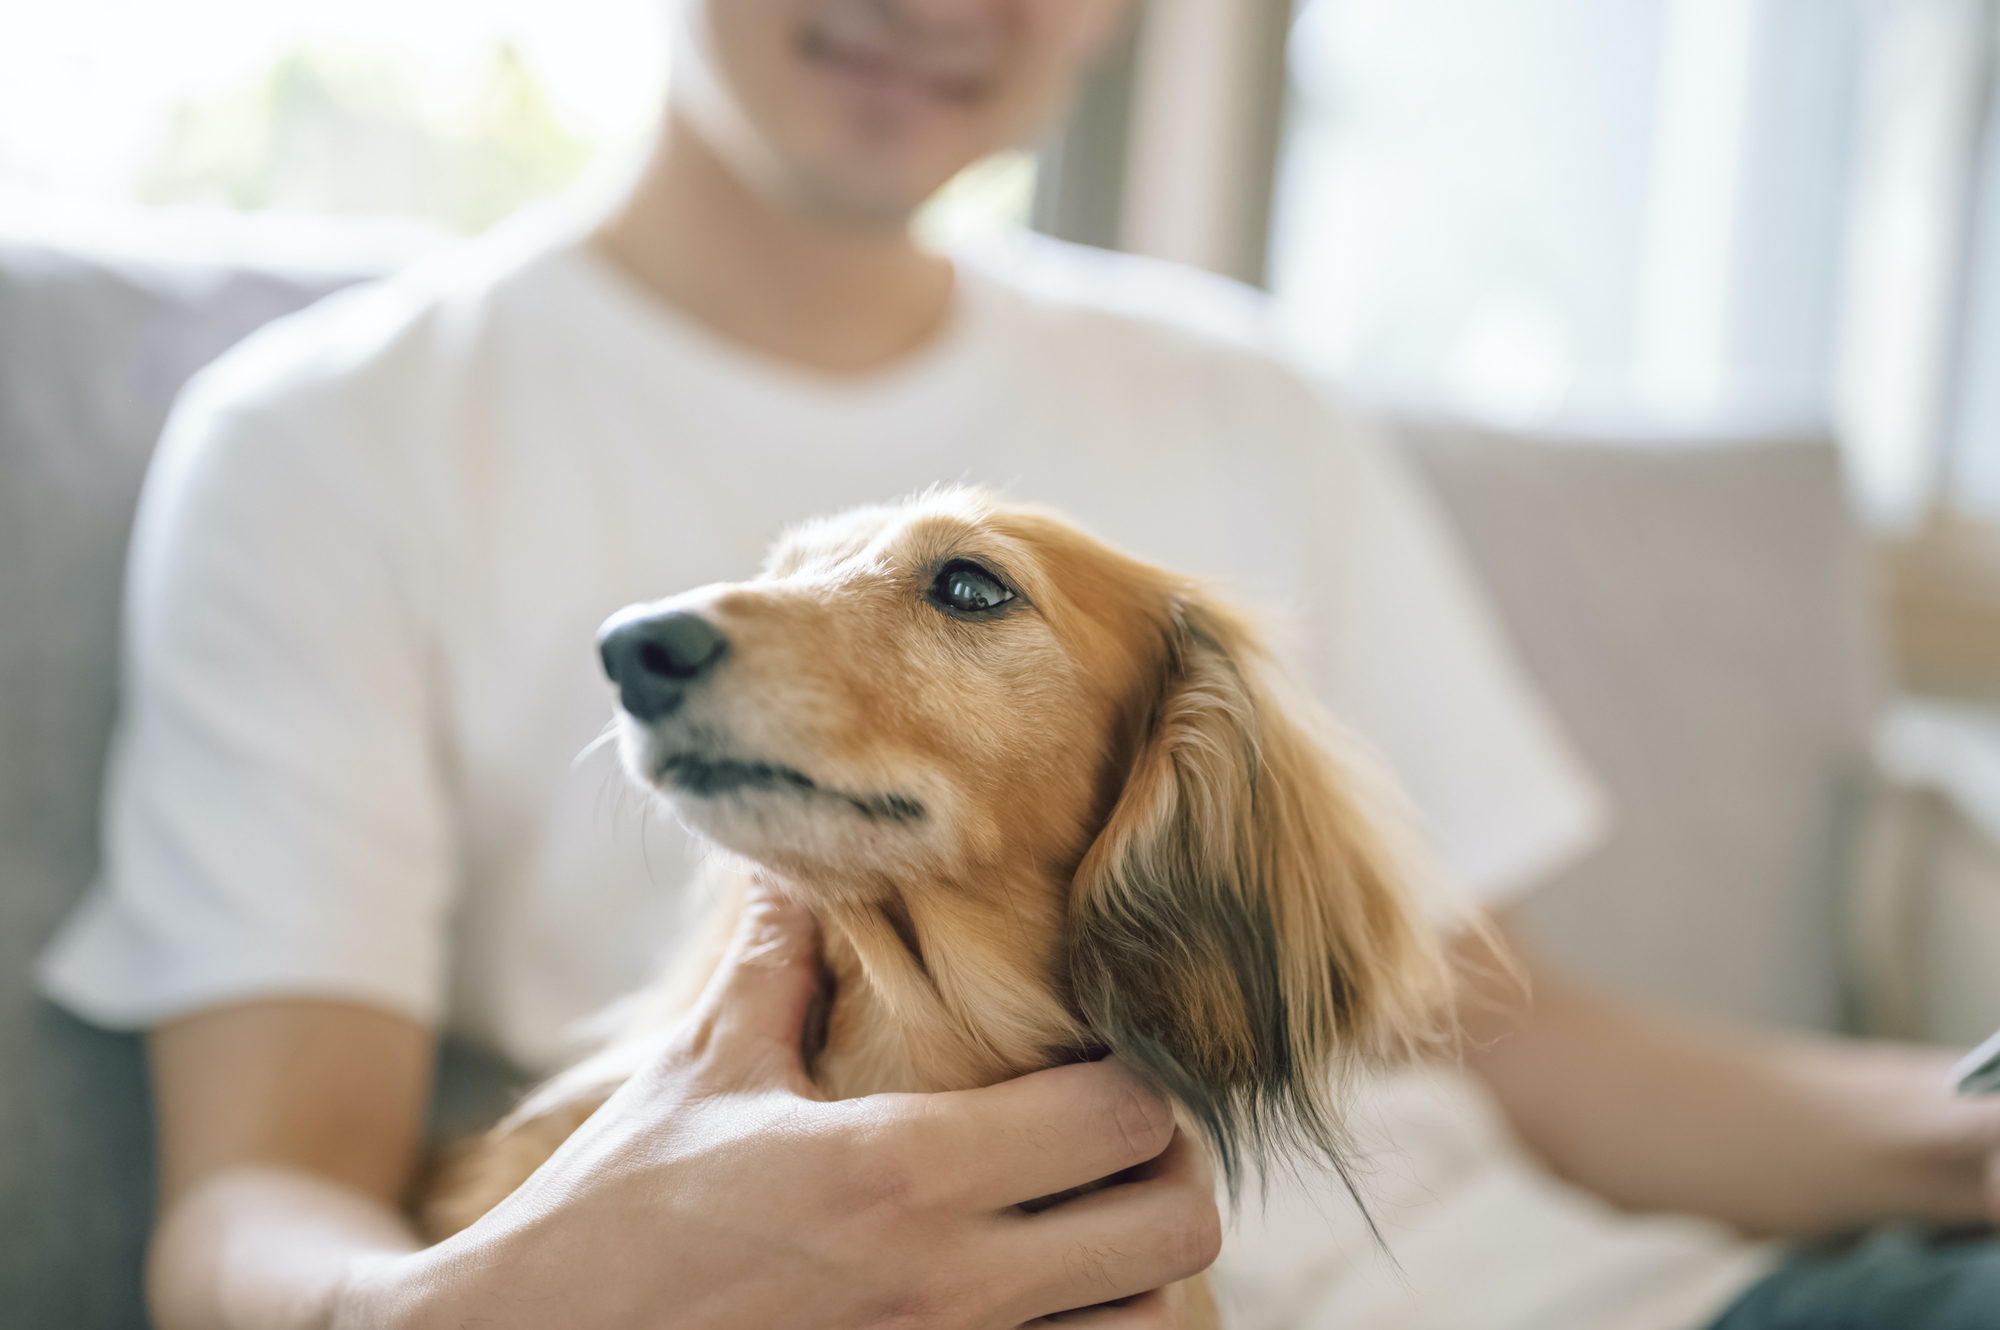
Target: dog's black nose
655,660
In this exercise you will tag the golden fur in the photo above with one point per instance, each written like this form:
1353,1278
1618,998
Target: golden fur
1085,821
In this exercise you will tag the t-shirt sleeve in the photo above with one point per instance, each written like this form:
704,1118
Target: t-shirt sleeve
1416,661
275,820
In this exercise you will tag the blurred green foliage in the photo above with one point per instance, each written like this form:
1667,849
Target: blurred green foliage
331,131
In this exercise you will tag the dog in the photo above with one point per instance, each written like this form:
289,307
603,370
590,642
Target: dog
1047,803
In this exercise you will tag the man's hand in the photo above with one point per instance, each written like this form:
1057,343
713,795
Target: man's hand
717,1189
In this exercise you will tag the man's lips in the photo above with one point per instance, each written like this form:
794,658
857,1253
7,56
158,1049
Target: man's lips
711,777
889,74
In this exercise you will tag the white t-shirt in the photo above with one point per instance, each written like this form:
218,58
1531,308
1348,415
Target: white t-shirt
379,537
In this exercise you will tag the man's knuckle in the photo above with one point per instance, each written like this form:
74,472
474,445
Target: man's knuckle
879,1172
1089,1266
1145,1124
930,1305
900,1190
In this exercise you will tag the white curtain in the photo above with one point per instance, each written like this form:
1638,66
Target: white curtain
1654,218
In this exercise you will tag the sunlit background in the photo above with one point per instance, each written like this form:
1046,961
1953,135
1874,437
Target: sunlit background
447,112
1613,218
1659,218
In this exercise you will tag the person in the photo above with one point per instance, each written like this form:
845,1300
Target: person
346,809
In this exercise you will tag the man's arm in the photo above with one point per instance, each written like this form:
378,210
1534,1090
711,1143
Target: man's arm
287,1134
1771,1133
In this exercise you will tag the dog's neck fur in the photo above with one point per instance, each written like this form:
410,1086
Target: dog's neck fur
945,989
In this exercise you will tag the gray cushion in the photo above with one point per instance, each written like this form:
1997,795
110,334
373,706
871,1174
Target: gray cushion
1701,618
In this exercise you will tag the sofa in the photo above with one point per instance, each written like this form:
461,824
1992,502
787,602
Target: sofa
94,344
1701,619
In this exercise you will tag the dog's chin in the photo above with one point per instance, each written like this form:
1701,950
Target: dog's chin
776,815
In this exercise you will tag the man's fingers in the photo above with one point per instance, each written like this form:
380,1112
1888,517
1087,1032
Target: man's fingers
1121,1241
1183,1161
1047,1132
1162,1309
1148,1311
754,1009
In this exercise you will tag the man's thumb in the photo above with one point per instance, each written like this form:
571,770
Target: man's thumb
757,1003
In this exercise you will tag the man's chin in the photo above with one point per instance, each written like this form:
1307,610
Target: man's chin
847,170
859,199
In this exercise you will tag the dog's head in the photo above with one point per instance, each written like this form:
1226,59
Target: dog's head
964,711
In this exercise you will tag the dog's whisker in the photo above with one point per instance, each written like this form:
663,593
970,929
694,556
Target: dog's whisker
611,795
609,734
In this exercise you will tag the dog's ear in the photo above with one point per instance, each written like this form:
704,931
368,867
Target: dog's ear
1242,928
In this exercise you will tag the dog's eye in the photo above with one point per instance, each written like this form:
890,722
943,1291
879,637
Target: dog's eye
968,588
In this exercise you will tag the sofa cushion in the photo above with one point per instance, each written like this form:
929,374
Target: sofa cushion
1701,618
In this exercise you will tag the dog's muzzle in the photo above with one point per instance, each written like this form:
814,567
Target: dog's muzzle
656,658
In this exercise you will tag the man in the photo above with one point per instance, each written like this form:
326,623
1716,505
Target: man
365,578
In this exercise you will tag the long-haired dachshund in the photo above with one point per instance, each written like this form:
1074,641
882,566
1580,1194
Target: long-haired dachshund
1047,803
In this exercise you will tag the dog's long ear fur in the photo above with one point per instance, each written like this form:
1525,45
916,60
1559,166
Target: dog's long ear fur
1242,928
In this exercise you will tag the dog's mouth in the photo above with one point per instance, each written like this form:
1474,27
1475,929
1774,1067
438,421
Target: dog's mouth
715,777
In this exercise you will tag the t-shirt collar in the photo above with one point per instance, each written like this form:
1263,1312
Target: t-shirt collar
686,339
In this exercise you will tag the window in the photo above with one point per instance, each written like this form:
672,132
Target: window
446,112
1563,214
1655,218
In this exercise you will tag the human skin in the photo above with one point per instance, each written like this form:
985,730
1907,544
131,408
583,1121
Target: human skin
1775,1134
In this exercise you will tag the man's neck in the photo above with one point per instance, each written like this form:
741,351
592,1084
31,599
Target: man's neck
843,301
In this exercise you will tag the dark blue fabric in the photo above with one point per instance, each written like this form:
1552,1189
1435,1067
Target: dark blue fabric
1900,1278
